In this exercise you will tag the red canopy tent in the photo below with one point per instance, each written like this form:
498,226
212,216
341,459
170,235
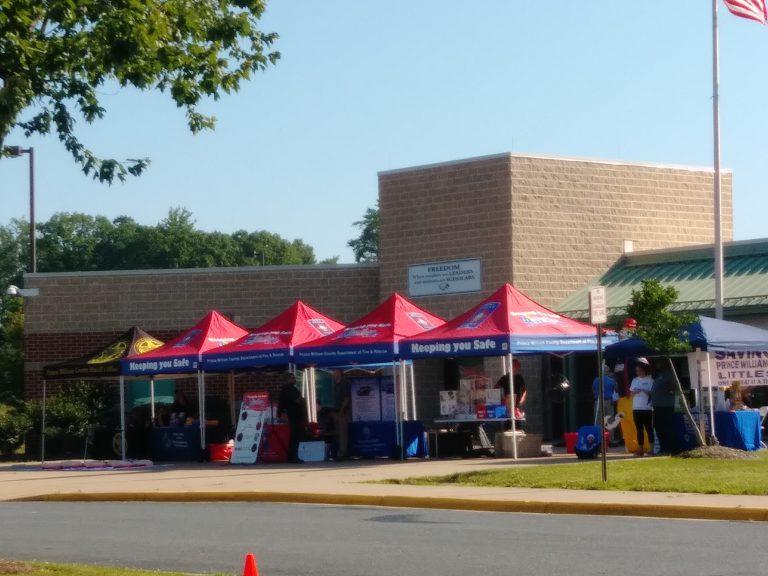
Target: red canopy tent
374,339
272,343
507,322
183,354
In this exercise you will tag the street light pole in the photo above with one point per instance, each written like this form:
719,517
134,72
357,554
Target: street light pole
32,225
15,152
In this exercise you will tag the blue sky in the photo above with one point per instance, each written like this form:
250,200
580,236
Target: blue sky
365,86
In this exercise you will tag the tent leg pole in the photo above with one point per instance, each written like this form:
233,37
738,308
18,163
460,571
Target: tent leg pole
310,411
413,391
312,403
396,391
404,385
122,418
304,390
700,400
152,398
314,396
231,396
42,428
510,365
201,403
711,401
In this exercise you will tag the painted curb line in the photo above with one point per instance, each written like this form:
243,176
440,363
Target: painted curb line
528,506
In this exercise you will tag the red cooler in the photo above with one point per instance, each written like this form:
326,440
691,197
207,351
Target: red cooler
570,442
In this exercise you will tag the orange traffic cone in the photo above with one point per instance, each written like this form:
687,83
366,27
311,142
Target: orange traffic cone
250,566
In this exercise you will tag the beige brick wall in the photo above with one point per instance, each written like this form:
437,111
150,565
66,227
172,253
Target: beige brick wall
570,217
174,300
549,224
445,212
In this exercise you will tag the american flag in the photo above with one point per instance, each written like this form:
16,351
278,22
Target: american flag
752,9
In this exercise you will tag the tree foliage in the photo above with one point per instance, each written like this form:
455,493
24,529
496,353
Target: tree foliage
80,242
366,245
663,330
56,56
657,325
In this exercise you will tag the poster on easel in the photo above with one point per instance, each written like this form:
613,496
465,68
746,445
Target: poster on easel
254,411
366,399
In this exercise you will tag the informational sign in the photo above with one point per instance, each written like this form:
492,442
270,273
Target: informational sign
448,402
748,368
449,277
366,399
250,427
598,306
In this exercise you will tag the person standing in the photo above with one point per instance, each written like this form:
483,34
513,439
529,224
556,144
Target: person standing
521,393
642,409
292,405
663,401
609,397
343,414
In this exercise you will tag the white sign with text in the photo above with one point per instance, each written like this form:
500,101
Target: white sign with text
449,277
598,306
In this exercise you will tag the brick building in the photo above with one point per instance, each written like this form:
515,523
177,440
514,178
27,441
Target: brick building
547,224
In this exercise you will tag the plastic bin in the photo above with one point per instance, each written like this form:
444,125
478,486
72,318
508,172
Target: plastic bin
221,452
570,442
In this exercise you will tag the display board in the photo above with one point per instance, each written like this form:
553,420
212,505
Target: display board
366,399
372,399
254,411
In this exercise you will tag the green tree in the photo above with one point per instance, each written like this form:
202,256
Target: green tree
57,57
79,242
11,349
663,330
71,241
366,245
13,257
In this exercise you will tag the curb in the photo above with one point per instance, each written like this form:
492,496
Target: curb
526,506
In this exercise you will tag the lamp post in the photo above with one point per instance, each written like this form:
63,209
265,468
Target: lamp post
15,152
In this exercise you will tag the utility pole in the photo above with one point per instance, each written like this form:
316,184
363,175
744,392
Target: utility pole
15,152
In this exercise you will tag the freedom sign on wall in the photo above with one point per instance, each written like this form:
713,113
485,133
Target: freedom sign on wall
449,277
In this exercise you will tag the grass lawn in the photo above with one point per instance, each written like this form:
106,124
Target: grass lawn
664,474
48,569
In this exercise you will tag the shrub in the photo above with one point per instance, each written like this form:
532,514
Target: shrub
14,424
77,406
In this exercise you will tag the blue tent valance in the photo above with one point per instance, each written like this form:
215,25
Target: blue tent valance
706,333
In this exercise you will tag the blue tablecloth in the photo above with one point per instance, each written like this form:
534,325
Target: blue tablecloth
177,443
740,429
374,439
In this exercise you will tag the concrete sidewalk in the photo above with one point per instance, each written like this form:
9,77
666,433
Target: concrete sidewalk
349,483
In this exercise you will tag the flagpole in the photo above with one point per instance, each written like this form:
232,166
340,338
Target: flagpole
717,184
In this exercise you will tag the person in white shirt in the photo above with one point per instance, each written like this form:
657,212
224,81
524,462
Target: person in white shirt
642,409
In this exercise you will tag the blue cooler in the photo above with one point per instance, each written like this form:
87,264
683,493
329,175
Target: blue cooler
588,442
